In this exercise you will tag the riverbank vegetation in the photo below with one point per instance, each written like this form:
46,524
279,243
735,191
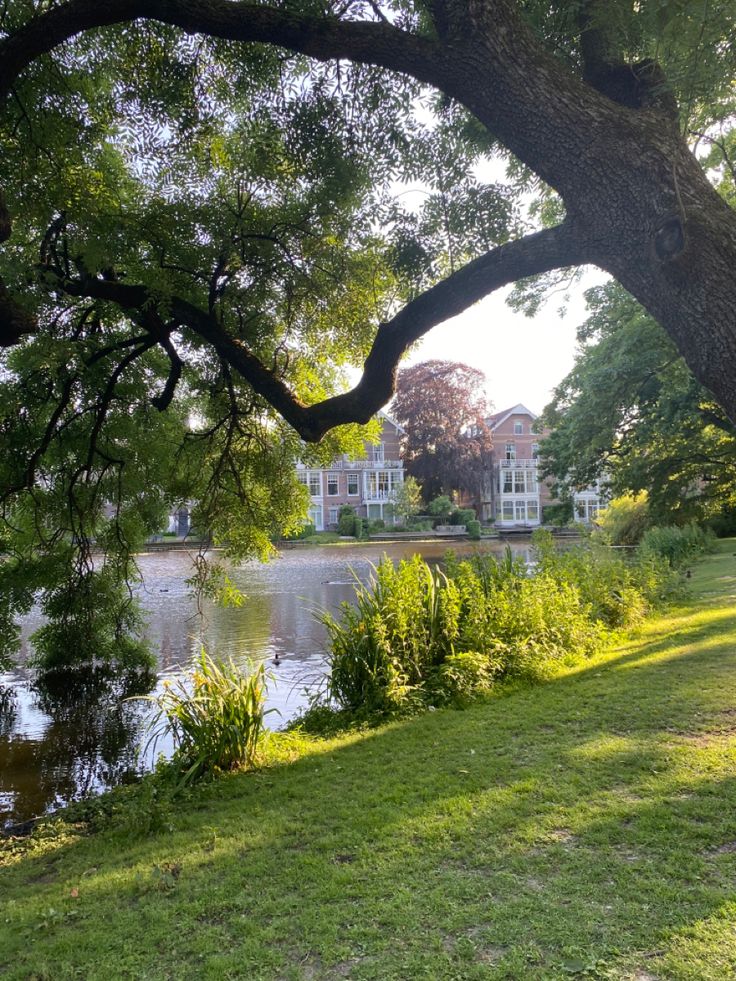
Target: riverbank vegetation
418,636
579,828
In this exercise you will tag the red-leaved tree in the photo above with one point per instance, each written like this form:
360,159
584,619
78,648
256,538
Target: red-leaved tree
442,406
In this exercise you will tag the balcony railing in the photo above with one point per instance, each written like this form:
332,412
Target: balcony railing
358,465
367,465
518,464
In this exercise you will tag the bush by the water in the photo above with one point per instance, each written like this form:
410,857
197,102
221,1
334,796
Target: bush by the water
461,516
346,521
418,635
473,529
678,545
625,519
217,722
618,592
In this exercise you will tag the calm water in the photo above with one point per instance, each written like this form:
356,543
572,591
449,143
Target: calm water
58,745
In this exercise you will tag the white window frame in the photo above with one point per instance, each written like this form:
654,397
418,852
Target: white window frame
510,451
314,482
353,480
518,427
333,479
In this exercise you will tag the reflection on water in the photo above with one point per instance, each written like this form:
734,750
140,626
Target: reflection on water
75,733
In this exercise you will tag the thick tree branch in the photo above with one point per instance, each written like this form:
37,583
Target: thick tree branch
322,37
541,252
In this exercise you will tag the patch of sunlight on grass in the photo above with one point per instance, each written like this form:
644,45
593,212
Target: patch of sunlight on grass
606,747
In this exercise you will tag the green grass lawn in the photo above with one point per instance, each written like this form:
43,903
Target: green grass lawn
583,828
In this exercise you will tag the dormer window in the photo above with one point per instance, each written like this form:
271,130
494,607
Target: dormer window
518,427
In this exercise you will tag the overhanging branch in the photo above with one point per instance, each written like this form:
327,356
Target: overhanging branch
377,43
529,256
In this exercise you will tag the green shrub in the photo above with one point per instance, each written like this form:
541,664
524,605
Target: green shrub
679,546
218,723
625,519
473,529
419,524
607,583
306,531
440,507
559,513
346,520
462,677
461,516
361,528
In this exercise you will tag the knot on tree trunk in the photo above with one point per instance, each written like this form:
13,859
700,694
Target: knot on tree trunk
669,239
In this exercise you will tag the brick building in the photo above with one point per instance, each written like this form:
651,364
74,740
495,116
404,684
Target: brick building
513,493
367,485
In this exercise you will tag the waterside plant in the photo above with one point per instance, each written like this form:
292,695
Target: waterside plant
215,720
418,636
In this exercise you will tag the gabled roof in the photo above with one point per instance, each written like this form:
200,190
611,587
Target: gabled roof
498,417
387,418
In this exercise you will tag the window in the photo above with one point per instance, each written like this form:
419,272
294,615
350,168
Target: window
378,484
333,516
508,510
310,480
531,482
518,428
520,510
507,482
332,484
518,481
535,451
378,450
353,484
532,510
511,451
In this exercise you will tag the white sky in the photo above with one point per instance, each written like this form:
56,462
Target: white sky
523,358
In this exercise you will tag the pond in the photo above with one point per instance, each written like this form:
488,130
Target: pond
58,745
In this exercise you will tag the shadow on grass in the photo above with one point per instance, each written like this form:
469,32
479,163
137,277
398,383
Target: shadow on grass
555,830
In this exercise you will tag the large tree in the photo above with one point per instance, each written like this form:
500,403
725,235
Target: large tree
631,413
197,229
442,406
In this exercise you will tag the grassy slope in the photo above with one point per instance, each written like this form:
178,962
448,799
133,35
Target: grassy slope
586,827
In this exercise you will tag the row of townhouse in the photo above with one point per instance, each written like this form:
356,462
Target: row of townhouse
513,493
367,485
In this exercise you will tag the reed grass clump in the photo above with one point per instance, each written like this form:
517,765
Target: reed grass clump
679,545
417,635
215,719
